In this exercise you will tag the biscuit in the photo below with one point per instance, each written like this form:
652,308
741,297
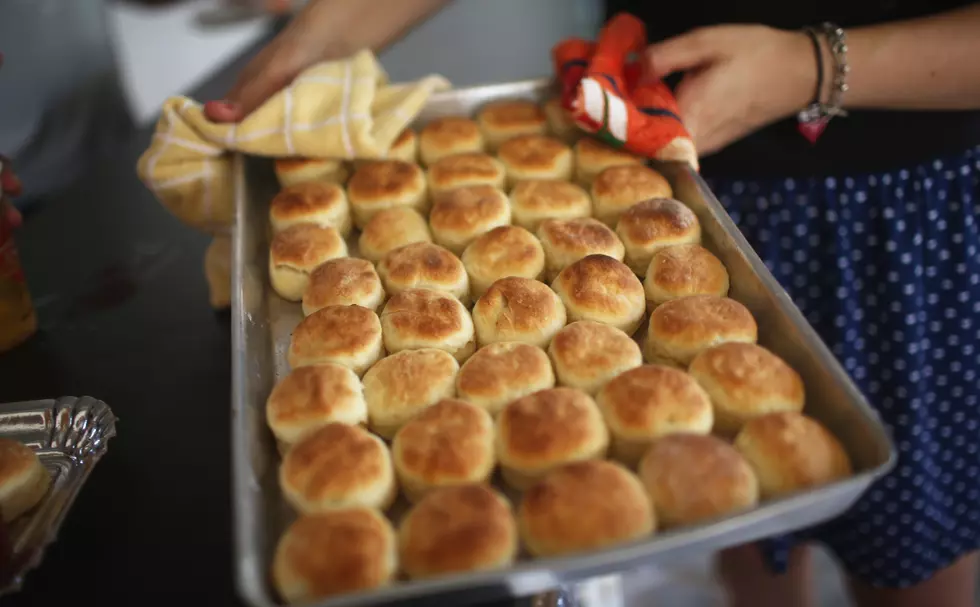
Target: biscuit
446,445
462,214
386,184
684,270
390,229
296,252
318,203
342,282
503,372
458,170
535,157
602,289
293,171
647,403
559,123
790,452
448,136
586,354
694,478
396,388
745,381
23,479
582,507
652,225
501,120
345,335
566,241
339,552
423,318
503,251
546,430
469,528
312,397
518,309
617,188
423,265
591,157
681,328
534,201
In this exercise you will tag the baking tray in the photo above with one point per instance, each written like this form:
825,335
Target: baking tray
70,435
262,324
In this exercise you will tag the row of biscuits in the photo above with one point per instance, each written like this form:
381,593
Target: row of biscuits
652,418
549,443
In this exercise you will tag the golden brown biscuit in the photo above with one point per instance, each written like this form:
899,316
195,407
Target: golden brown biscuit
423,265
293,171
566,241
535,200
584,506
618,188
652,225
591,157
404,148
318,203
338,467
602,289
503,372
345,335
586,354
791,452
458,170
682,328
501,120
518,309
535,157
391,229
447,445
447,136
296,252
649,402
545,430
324,555
422,318
343,282
23,479
745,381
559,123
462,214
692,478
386,184
503,251
312,397
469,528
683,270
396,388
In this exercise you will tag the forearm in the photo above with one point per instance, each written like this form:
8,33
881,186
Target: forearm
347,26
927,63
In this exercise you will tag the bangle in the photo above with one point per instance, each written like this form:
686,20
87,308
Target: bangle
815,117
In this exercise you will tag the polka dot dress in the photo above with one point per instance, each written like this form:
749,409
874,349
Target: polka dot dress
886,267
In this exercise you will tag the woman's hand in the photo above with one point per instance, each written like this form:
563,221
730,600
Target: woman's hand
304,42
738,79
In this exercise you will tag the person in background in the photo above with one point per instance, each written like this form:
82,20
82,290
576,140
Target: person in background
872,228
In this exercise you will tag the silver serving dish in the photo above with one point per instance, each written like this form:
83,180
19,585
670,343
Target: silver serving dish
262,324
70,435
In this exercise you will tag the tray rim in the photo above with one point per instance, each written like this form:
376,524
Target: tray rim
539,575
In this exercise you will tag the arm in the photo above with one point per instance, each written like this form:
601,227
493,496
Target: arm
322,30
927,63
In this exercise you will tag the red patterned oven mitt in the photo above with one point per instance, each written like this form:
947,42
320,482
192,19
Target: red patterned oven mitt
603,93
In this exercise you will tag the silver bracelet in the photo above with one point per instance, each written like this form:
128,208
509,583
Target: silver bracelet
813,119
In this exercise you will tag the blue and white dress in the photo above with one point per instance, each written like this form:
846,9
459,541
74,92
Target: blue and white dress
886,267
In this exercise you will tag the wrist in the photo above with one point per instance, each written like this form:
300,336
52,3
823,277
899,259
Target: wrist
801,72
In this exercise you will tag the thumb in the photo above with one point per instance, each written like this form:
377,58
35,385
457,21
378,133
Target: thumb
684,52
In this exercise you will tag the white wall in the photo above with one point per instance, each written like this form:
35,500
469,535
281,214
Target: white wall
485,41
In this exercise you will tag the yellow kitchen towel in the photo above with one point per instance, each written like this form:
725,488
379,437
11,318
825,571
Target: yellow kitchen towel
337,109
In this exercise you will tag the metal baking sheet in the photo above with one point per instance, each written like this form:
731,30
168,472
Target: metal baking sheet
263,323
70,435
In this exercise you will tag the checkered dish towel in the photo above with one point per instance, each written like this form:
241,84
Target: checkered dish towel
338,109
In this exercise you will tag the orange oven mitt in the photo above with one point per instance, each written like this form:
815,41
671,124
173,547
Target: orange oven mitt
604,95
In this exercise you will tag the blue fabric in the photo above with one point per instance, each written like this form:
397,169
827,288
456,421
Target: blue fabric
886,268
